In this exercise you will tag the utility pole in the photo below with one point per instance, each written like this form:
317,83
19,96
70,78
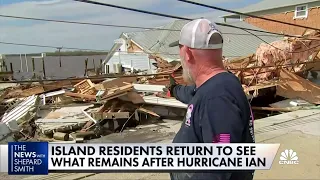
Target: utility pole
59,49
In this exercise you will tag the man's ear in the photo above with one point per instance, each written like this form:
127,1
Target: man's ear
189,56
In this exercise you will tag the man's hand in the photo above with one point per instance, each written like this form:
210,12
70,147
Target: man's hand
171,86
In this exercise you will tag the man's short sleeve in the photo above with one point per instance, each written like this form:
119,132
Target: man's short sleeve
221,121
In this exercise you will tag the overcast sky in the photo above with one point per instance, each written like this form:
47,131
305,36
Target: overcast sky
85,36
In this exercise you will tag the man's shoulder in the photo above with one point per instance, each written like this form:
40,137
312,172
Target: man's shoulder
223,84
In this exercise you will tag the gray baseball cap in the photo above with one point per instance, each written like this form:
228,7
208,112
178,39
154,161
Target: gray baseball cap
200,34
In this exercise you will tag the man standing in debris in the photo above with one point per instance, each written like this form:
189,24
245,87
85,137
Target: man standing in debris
218,110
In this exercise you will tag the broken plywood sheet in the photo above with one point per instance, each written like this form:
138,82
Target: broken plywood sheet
297,87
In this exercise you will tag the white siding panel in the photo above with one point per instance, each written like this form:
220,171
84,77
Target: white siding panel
137,61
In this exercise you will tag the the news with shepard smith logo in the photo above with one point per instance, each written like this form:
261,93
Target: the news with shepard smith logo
28,158
35,158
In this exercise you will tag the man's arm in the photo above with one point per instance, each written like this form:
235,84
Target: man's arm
183,93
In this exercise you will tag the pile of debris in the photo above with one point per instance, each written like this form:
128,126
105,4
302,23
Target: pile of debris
76,111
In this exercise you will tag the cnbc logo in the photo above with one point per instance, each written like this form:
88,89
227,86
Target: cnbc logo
288,156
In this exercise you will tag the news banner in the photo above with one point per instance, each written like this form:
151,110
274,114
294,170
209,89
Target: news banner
40,158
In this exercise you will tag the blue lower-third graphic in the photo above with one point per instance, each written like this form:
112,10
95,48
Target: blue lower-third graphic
28,158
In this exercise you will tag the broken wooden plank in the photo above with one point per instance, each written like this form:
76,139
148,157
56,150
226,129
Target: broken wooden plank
56,85
288,109
32,91
110,115
148,111
297,87
87,125
118,82
82,96
114,94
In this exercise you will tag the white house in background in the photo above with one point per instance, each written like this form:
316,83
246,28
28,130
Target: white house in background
237,43
120,53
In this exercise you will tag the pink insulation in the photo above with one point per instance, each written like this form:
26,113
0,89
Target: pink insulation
281,55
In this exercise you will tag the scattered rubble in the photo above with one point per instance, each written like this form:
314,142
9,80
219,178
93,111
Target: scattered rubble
75,111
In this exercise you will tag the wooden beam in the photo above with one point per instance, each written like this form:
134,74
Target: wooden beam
276,109
263,85
297,87
82,96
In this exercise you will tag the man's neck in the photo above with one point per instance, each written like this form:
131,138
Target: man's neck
203,77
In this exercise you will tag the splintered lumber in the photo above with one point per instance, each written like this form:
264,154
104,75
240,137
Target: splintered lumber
148,111
61,136
56,85
82,96
297,87
32,91
115,83
116,92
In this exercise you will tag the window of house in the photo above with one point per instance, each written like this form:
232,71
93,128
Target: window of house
301,11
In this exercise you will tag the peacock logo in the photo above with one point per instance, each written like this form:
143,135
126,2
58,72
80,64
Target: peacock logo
288,156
